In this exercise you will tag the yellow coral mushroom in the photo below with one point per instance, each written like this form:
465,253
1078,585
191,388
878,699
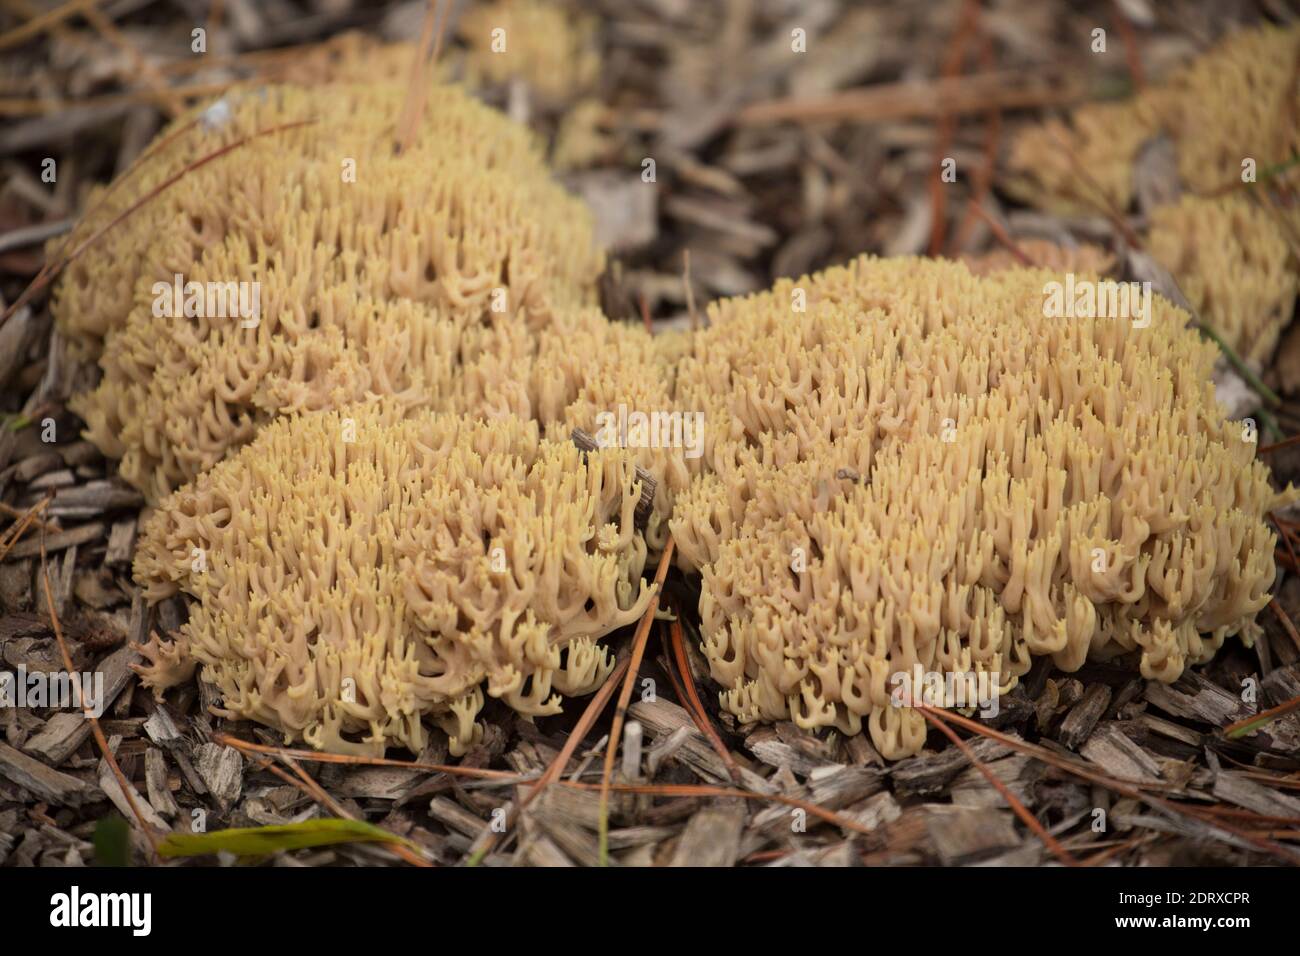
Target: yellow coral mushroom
356,570
1231,116
1080,165
1235,103
531,40
609,379
358,271
1232,262
915,467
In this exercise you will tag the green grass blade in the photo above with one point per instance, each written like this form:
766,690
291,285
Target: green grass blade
260,841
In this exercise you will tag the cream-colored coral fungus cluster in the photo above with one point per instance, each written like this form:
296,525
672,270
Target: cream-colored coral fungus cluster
913,465
360,271
356,570
1233,264
577,374
370,491
1230,115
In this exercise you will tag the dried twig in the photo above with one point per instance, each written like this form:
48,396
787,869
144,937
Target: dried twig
625,694
694,706
98,732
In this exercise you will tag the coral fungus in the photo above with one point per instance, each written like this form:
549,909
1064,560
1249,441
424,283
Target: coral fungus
1232,262
914,466
356,570
374,273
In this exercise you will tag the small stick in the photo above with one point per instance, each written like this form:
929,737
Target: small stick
632,737
100,739
625,695
690,291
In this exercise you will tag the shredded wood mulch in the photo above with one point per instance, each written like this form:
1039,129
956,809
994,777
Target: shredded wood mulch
767,165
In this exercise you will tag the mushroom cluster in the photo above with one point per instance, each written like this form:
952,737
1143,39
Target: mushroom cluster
1233,264
312,266
588,373
1230,116
910,466
368,486
357,570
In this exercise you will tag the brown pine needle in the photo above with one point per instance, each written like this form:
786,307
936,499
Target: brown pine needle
1284,530
19,528
595,707
992,140
645,313
167,99
695,706
46,21
678,690
314,791
1284,443
503,776
1000,233
1107,207
418,88
1027,818
1249,725
967,26
708,790
324,799
1284,617
100,739
1132,49
1135,790
21,513
625,694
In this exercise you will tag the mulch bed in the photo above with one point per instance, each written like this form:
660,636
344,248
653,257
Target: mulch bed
767,165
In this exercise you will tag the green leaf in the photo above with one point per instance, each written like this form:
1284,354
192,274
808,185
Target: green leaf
112,841
260,841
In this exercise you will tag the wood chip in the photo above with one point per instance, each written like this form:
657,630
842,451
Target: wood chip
112,788
455,817
67,730
121,543
222,770
30,547
835,787
1083,717
712,837
50,785
931,772
965,834
1112,750
1238,789
1195,698
155,778
93,499
662,718
624,208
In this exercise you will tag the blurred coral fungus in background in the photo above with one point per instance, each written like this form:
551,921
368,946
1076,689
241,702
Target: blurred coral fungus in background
547,432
